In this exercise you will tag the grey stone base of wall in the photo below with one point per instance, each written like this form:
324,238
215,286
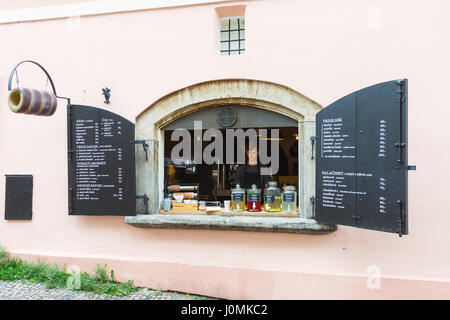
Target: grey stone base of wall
236,223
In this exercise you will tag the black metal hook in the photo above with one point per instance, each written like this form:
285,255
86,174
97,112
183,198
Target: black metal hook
313,140
43,69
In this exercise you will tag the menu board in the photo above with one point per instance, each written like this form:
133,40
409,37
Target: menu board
361,177
101,163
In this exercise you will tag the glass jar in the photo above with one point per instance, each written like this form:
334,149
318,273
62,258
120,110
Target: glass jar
289,199
254,199
272,197
238,198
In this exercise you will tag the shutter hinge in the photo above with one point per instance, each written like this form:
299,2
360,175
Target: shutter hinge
144,145
145,199
401,145
400,90
70,199
69,130
400,218
400,152
69,156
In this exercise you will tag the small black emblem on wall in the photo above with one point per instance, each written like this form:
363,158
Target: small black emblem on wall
107,94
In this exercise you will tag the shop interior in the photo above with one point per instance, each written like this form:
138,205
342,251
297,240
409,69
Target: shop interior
212,185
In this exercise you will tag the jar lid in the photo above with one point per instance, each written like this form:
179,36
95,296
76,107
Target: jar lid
238,189
254,188
290,188
272,184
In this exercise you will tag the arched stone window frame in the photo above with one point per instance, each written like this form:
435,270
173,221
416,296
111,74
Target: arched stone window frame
245,92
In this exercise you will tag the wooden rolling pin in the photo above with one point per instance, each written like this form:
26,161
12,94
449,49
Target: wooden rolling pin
178,188
186,195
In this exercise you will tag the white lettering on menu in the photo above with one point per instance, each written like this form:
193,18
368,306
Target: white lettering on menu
90,157
335,142
335,187
382,148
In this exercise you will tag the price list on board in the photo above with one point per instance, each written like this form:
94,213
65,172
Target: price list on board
360,167
102,162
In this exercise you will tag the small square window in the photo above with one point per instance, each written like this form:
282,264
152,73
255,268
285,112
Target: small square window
232,36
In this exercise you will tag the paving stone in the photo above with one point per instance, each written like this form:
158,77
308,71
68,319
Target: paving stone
23,290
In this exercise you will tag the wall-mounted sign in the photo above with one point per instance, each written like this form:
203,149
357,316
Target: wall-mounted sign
361,162
102,178
19,197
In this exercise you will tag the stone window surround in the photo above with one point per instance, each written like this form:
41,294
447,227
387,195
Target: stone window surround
260,94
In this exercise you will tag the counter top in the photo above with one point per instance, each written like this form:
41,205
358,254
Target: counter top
236,223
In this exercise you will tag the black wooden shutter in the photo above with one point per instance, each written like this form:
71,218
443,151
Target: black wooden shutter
361,163
102,175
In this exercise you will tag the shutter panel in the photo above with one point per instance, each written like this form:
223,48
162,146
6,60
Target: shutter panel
361,163
102,174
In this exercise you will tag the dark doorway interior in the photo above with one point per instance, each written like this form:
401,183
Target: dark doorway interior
215,181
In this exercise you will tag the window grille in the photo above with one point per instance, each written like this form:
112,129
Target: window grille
232,35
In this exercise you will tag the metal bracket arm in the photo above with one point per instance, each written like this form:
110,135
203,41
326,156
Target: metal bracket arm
43,69
144,145
313,140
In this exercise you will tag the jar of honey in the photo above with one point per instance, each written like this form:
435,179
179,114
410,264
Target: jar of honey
272,198
254,199
289,199
238,199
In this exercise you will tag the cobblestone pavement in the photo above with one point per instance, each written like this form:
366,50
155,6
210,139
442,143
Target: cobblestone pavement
21,290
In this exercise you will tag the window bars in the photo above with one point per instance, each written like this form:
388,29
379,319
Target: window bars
232,35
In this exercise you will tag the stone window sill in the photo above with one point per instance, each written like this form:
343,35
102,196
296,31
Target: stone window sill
236,223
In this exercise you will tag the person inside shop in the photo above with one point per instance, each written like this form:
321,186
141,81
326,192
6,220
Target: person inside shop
250,173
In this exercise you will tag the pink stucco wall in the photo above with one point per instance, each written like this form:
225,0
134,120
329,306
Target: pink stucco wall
323,49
